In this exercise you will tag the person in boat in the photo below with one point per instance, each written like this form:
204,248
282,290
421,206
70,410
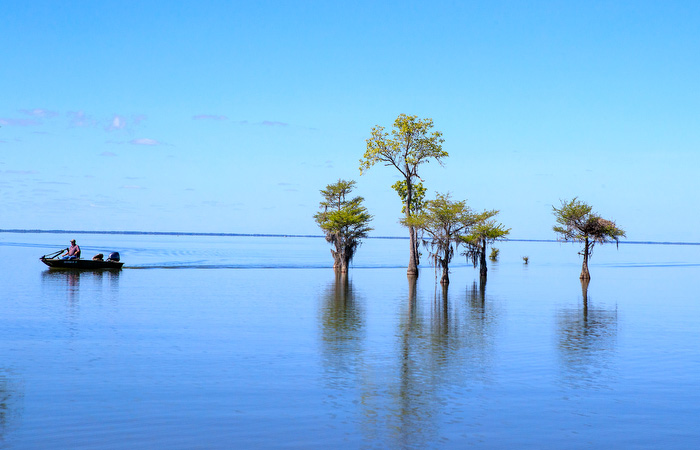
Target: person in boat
73,251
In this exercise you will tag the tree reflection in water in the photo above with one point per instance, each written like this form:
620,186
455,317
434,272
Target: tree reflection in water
587,341
441,354
401,394
342,332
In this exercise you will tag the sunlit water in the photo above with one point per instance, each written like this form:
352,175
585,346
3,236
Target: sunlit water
252,342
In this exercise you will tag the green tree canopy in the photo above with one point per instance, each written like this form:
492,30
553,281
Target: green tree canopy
577,223
409,145
485,231
344,221
445,223
417,199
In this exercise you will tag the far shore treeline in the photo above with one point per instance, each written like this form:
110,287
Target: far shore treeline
442,224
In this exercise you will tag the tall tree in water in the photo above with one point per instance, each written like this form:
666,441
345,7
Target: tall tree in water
485,231
344,221
409,145
445,223
577,223
417,204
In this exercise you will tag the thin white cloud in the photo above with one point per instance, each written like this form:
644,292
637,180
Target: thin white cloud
209,117
289,187
39,112
264,123
80,119
21,172
18,122
144,141
108,154
117,123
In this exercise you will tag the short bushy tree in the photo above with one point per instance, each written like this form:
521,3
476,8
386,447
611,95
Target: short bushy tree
577,223
344,221
484,232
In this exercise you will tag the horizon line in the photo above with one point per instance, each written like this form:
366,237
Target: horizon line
182,233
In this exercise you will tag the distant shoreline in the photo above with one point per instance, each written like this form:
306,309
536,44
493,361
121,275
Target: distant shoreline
177,233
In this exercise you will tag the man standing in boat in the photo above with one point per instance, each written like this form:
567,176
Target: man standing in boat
73,251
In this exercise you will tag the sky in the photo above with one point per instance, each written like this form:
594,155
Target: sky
230,117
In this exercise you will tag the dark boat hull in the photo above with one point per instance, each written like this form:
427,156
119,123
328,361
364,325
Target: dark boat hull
81,264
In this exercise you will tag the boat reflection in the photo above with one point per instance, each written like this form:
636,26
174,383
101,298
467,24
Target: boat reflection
92,284
10,402
587,338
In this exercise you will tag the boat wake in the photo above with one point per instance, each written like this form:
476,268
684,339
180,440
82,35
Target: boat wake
244,266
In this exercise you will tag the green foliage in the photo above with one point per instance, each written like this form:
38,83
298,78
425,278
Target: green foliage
493,256
345,222
484,232
526,259
577,223
417,200
444,223
410,145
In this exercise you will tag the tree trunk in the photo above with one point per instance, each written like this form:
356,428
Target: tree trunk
445,280
340,261
336,260
344,263
482,263
585,275
413,256
416,246
412,264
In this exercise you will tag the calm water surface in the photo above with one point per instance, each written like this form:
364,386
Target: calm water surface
243,342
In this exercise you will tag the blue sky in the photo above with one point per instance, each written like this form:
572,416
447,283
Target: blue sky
231,116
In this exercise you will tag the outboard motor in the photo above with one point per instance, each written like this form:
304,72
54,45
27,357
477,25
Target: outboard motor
114,256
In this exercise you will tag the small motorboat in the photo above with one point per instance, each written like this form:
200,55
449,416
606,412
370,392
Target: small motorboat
54,262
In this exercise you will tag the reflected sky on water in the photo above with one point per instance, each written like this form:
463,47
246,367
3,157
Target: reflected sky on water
196,347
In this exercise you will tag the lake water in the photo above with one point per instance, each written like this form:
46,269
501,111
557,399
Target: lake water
220,342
